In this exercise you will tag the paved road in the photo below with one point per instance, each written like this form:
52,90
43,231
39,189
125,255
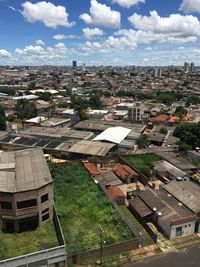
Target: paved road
187,258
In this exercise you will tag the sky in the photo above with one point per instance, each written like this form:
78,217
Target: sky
100,32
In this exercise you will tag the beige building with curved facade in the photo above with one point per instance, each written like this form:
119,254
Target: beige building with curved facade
26,190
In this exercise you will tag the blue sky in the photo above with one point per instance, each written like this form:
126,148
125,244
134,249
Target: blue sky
96,32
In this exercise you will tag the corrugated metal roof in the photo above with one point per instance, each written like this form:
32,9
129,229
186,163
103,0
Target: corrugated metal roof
113,134
186,192
27,170
91,148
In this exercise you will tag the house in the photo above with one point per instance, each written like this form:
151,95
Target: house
26,190
116,195
160,119
125,173
164,211
93,170
187,193
165,170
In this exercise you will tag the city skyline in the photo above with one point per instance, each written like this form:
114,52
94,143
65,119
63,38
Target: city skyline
99,32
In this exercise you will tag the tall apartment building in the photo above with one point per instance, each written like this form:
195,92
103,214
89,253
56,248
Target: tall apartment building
136,112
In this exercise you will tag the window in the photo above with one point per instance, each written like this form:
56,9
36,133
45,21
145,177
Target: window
45,217
44,211
6,205
179,231
44,198
26,204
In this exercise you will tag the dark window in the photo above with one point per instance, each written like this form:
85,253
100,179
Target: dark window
6,205
26,204
45,217
44,211
44,198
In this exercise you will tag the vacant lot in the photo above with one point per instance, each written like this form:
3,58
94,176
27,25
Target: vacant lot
81,207
13,245
142,162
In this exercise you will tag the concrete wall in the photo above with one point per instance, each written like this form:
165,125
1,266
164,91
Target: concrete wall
188,228
31,211
107,250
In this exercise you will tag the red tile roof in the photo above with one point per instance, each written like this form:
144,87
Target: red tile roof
91,168
124,171
174,119
115,192
161,118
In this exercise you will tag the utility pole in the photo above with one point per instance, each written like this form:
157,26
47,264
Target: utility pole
101,244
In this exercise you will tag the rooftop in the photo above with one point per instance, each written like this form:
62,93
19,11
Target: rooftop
168,208
186,192
23,170
91,148
163,165
177,161
113,134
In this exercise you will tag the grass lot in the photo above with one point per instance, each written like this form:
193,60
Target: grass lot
81,207
142,162
13,245
137,225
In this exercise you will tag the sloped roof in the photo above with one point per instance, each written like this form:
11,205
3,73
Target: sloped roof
113,134
23,170
91,148
187,193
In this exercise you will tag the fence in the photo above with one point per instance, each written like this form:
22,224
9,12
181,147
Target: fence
53,257
107,250
131,227
49,257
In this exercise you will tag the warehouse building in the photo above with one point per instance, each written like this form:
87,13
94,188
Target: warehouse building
164,211
26,190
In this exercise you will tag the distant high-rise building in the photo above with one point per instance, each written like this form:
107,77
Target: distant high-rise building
186,67
157,73
192,67
74,64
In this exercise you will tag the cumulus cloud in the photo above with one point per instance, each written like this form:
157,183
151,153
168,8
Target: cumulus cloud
39,42
176,24
89,33
65,36
128,3
38,55
52,16
190,6
102,15
4,53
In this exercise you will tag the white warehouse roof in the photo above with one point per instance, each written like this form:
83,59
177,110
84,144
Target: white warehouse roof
113,134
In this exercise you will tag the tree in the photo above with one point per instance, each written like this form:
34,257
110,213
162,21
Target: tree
46,96
26,109
79,104
95,101
143,141
2,119
167,98
181,112
189,133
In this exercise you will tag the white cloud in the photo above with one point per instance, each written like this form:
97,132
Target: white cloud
89,33
52,16
4,53
128,3
102,15
65,36
190,6
39,55
39,42
177,25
